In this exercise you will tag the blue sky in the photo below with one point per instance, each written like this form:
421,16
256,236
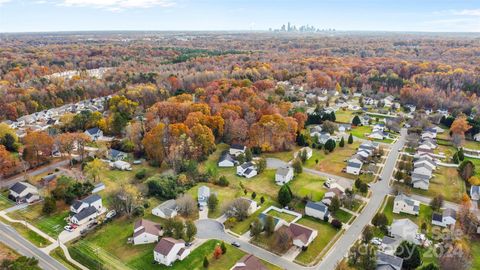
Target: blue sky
382,15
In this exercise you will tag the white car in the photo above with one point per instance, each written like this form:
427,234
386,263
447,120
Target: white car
111,214
68,228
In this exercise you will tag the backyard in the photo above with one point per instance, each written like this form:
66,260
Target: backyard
281,215
425,214
308,185
326,233
334,162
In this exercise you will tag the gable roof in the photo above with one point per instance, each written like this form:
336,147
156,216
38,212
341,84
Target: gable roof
115,153
449,212
300,232
385,261
146,226
93,131
354,164
85,213
246,165
166,244
406,199
237,146
226,157
437,217
283,171
18,187
249,262
317,206
92,198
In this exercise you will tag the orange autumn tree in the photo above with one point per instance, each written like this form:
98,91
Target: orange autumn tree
217,252
273,133
38,145
7,162
153,144
458,129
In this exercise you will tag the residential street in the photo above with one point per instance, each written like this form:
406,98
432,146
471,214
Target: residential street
50,167
379,190
14,240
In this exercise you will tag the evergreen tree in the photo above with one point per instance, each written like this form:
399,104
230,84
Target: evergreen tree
248,155
342,142
284,195
356,121
350,139
205,262
461,155
410,255
223,247
330,145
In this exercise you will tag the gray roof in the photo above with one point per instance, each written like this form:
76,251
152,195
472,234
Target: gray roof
317,206
168,207
405,198
283,171
92,198
237,146
18,187
385,261
248,171
115,153
76,204
263,217
449,212
226,156
246,165
93,131
437,217
85,213
354,164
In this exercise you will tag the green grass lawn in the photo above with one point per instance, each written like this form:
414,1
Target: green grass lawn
342,215
472,145
5,202
344,116
244,225
444,177
425,214
476,254
285,216
334,162
325,234
224,195
361,132
50,224
284,155
308,185
58,255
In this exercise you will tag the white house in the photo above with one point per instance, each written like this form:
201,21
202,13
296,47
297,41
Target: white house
354,165
203,195
226,160
121,165
85,215
116,155
404,229
405,204
94,133
377,135
283,175
168,250
146,232
302,236
23,192
167,209
252,205
476,137
447,218
247,170
237,149
92,200
475,193
308,151
317,210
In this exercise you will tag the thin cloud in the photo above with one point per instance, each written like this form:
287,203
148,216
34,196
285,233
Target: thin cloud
4,1
468,12
117,5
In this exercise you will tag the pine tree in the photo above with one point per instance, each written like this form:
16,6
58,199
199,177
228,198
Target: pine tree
356,121
342,142
284,195
350,139
205,262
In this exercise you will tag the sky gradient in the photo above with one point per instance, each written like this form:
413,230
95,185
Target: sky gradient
368,15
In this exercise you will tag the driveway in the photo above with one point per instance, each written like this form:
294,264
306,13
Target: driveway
275,163
11,181
211,229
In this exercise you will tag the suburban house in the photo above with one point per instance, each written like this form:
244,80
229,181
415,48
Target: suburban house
98,187
390,244
167,209
302,236
426,162
247,170
146,231
369,145
94,133
354,166
421,176
252,205
404,229
283,175
335,190
226,160
342,128
377,135
317,210
203,194
168,250
116,155
249,262
445,219
404,204
315,131
86,209
476,137
121,165
475,193
23,192
388,262
237,149
307,150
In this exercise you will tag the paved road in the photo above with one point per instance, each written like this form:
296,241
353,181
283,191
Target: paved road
379,190
344,182
11,238
211,229
275,163
11,181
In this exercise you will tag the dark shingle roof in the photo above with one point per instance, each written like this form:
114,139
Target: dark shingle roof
18,187
354,164
317,206
392,262
93,131
237,146
166,244
437,217
92,198
85,213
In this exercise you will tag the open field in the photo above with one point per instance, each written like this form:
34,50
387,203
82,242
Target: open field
361,132
325,234
344,116
334,162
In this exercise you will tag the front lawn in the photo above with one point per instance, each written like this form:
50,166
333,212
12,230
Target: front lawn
282,215
50,224
342,215
5,202
472,145
308,185
361,132
476,254
326,233
244,225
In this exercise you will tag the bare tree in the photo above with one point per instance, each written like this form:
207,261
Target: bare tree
237,208
282,239
186,205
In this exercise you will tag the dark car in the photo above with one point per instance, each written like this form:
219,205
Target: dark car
236,244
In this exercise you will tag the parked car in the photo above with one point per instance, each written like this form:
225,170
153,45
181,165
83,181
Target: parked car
68,228
236,244
84,231
111,214
137,162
